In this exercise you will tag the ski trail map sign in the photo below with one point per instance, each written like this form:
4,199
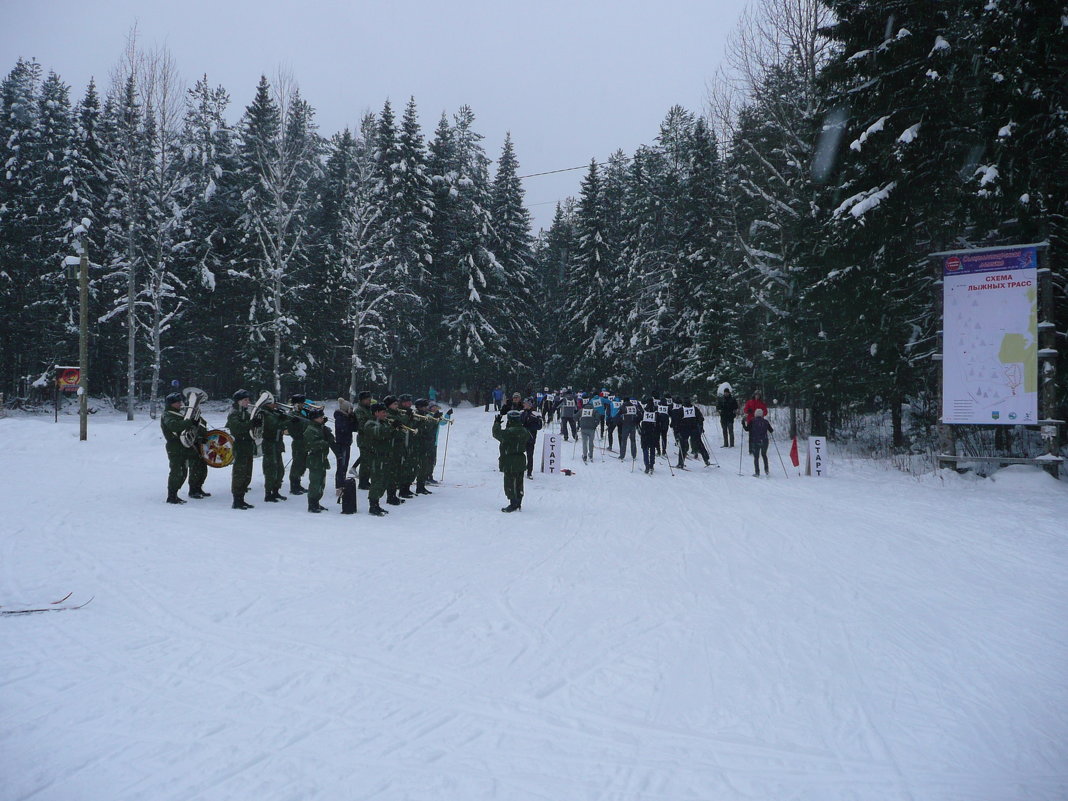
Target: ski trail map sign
990,337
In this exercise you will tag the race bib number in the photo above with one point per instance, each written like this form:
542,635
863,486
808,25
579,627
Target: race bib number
550,397
676,406
649,417
617,404
587,412
689,411
632,410
661,409
570,404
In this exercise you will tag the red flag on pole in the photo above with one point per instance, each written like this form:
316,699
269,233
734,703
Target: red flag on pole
793,454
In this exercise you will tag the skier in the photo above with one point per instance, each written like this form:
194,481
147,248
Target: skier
751,405
569,407
663,423
589,418
759,429
509,431
628,424
727,407
613,409
240,425
531,418
173,423
548,408
691,425
300,454
498,398
650,429
319,441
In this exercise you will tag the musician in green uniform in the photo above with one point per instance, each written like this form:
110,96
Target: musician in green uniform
274,425
300,455
378,443
425,445
409,464
395,464
362,414
240,424
318,441
173,423
513,456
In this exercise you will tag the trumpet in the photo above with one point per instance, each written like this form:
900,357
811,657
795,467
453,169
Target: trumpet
431,418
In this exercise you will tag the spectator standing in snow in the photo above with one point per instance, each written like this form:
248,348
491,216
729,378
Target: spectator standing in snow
532,422
498,398
751,406
727,406
759,429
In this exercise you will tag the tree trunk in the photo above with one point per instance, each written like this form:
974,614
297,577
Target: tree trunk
895,422
355,360
131,323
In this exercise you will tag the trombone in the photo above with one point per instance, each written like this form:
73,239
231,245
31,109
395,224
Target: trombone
431,418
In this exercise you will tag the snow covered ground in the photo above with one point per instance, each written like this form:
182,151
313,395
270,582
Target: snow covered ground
705,637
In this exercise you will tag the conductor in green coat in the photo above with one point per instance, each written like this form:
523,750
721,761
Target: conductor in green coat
513,438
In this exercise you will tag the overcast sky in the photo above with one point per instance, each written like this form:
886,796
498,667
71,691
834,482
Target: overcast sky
571,79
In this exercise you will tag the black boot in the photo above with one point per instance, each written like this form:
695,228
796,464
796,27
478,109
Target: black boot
268,497
420,489
376,510
278,496
239,502
173,498
296,489
406,491
317,508
432,482
392,499
198,492
511,507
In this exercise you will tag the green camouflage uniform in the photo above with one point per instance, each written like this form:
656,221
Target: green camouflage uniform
239,423
513,457
274,425
173,424
398,456
297,426
378,436
318,439
426,444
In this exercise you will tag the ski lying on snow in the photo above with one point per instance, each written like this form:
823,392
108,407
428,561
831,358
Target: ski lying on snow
50,608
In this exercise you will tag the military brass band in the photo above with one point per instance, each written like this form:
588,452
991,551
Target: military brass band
396,439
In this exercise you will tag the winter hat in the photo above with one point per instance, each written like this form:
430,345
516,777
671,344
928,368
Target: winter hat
405,398
378,407
389,400
316,413
422,403
364,395
759,413
514,414
241,393
344,406
174,397
297,399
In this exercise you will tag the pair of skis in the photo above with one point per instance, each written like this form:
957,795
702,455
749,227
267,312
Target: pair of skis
60,605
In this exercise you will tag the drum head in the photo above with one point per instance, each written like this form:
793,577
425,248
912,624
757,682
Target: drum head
217,449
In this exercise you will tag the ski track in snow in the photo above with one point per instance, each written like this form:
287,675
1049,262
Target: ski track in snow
702,636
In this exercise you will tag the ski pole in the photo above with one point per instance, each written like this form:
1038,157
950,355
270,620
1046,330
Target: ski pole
772,436
708,450
445,455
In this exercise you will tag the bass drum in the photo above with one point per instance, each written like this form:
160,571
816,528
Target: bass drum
217,448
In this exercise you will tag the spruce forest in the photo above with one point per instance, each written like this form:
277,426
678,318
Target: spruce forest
777,238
